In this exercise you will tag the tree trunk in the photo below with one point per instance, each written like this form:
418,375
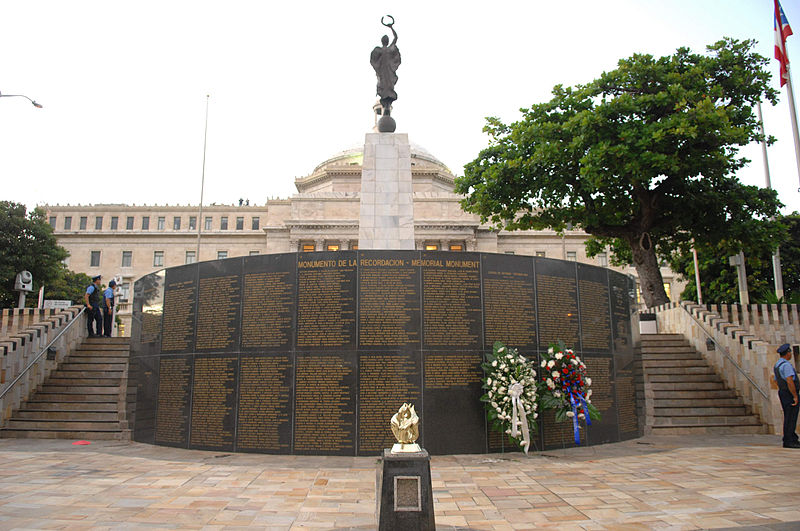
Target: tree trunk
646,263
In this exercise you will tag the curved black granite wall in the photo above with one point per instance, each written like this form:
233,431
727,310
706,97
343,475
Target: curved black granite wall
311,353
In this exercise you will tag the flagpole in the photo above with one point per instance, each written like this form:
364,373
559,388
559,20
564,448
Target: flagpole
202,184
776,256
793,116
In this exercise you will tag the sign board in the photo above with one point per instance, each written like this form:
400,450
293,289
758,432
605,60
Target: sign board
56,304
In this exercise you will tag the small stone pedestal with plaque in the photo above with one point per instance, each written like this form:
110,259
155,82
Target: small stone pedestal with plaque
404,492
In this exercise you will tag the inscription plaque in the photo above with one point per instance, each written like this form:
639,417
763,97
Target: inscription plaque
601,370
172,413
219,299
265,400
324,408
269,302
451,295
595,319
508,301
180,295
213,402
557,303
385,382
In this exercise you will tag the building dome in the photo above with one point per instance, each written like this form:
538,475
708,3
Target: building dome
354,156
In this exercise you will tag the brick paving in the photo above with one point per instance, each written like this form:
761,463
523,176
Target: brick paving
658,482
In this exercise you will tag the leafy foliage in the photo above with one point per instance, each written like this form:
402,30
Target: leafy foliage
643,159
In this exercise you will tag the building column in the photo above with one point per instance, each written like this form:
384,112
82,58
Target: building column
319,244
294,245
344,245
444,245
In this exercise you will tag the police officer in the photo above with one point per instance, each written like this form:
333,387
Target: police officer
788,387
94,300
108,308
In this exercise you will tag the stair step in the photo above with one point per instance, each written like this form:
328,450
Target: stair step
80,389
95,359
707,420
72,425
87,373
682,371
669,349
69,366
34,405
93,435
688,378
671,363
693,411
67,415
74,397
661,337
681,357
687,386
697,402
82,382
711,430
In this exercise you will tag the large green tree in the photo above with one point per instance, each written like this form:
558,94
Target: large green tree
719,280
642,159
26,243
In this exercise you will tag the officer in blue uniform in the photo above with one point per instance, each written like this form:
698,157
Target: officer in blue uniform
788,386
108,308
94,300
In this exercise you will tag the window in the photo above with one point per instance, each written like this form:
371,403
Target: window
307,247
161,222
221,255
239,223
191,257
207,223
127,258
67,222
431,246
508,252
158,258
571,256
256,222
124,292
94,259
223,223
176,223
354,246
98,222
602,259
456,247
540,254
333,247
129,223
114,222
254,253
192,222
53,221
84,220
145,222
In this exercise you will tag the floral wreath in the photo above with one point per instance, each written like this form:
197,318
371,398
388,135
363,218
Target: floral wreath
565,387
511,393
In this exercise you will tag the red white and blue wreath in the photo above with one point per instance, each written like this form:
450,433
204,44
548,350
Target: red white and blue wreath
511,393
565,388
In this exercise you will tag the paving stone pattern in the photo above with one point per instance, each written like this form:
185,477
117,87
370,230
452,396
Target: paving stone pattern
687,482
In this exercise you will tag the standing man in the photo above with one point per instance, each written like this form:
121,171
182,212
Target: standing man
788,386
94,299
108,308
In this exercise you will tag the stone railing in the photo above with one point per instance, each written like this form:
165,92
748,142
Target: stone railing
773,323
14,320
743,360
25,360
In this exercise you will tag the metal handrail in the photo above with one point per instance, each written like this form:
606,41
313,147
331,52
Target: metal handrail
36,359
725,352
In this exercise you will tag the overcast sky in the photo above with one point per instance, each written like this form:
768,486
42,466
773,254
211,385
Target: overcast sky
124,85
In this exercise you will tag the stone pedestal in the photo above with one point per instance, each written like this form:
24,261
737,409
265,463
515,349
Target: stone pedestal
386,219
404,493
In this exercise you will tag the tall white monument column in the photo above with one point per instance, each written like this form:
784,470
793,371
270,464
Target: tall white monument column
386,219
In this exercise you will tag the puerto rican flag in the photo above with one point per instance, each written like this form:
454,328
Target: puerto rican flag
782,31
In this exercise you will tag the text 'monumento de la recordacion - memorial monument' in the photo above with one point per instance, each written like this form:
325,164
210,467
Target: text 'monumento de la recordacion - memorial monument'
313,352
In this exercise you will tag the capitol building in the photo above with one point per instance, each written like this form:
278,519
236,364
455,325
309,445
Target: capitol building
130,241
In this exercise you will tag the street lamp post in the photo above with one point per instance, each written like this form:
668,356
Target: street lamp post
37,105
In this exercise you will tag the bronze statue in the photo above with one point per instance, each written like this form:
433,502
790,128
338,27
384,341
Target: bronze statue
405,427
385,59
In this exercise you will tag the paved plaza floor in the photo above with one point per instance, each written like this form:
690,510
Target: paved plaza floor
654,482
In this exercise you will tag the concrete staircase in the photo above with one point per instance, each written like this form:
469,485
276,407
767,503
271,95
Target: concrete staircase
685,395
82,399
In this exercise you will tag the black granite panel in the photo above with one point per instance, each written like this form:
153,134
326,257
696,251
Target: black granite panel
143,397
269,302
453,417
386,380
148,308
180,303
451,300
595,316
173,402
219,299
508,301
619,287
388,300
214,402
325,403
560,434
557,302
600,368
266,395
326,301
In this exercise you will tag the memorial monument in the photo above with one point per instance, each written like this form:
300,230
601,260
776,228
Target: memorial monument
311,352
